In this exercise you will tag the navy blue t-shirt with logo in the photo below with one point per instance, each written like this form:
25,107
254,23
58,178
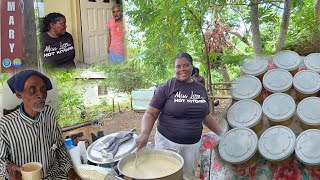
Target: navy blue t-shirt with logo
183,108
58,52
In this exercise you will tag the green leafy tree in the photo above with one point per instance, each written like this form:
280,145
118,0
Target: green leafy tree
70,104
166,28
3,78
304,31
125,77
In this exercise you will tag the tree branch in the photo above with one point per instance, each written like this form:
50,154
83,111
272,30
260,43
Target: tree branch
242,38
276,5
284,25
317,12
256,38
206,49
235,47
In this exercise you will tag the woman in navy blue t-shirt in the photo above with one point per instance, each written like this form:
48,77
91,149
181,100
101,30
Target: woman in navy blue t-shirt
181,106
57,44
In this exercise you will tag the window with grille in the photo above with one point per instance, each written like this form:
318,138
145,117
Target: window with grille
102,90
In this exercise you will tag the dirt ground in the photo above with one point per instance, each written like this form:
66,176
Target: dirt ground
128,119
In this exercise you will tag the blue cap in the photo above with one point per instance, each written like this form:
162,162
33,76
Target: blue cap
16,82
68,142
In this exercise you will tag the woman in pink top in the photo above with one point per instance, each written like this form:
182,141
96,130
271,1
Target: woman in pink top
116,36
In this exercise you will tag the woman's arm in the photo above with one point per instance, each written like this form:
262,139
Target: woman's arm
148,120
213,125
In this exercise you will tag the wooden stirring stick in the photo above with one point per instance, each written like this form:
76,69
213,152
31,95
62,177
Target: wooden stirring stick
135,162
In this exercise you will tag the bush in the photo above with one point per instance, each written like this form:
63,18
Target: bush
125,77
70,102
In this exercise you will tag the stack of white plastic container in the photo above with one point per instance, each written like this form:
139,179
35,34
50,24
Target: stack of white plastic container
287,93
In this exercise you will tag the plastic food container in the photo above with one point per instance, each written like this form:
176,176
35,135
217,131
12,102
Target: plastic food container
277,145
306,84
278,81
288,60
255,66
312,62
247,87
308,111
279,109
246,113
307,148
239,147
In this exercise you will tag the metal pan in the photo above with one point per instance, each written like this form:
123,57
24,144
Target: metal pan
124,149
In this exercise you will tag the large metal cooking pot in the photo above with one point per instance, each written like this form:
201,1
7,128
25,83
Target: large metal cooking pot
155,156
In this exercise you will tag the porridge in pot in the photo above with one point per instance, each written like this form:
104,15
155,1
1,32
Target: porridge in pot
151,166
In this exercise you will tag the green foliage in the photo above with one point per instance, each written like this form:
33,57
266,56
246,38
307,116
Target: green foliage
126,77
304,33
234,72
3,78
233,60
168,28
71,108
70,101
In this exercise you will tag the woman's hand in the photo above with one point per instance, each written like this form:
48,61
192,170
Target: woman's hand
213,125
141,141
14,171
223,131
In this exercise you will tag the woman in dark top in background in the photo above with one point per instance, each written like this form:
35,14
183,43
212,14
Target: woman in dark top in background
57,44
197,77
181,106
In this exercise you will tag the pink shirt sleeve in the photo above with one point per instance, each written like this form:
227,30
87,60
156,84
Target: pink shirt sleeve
110,23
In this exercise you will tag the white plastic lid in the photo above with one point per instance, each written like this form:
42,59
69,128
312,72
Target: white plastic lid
255,65
277,143
308,111
246,87
307,149
306,82
277,80
238,145
288,60
312,62
279,107
244,113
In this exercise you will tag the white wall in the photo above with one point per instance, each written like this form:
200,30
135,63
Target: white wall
8,100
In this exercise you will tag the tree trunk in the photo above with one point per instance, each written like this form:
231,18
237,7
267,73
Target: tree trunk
257,44
284,25
317,12
29,37
206,50
224,72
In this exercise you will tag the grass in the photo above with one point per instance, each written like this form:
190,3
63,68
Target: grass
69,116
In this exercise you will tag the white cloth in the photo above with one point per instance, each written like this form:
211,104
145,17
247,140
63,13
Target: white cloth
189,152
